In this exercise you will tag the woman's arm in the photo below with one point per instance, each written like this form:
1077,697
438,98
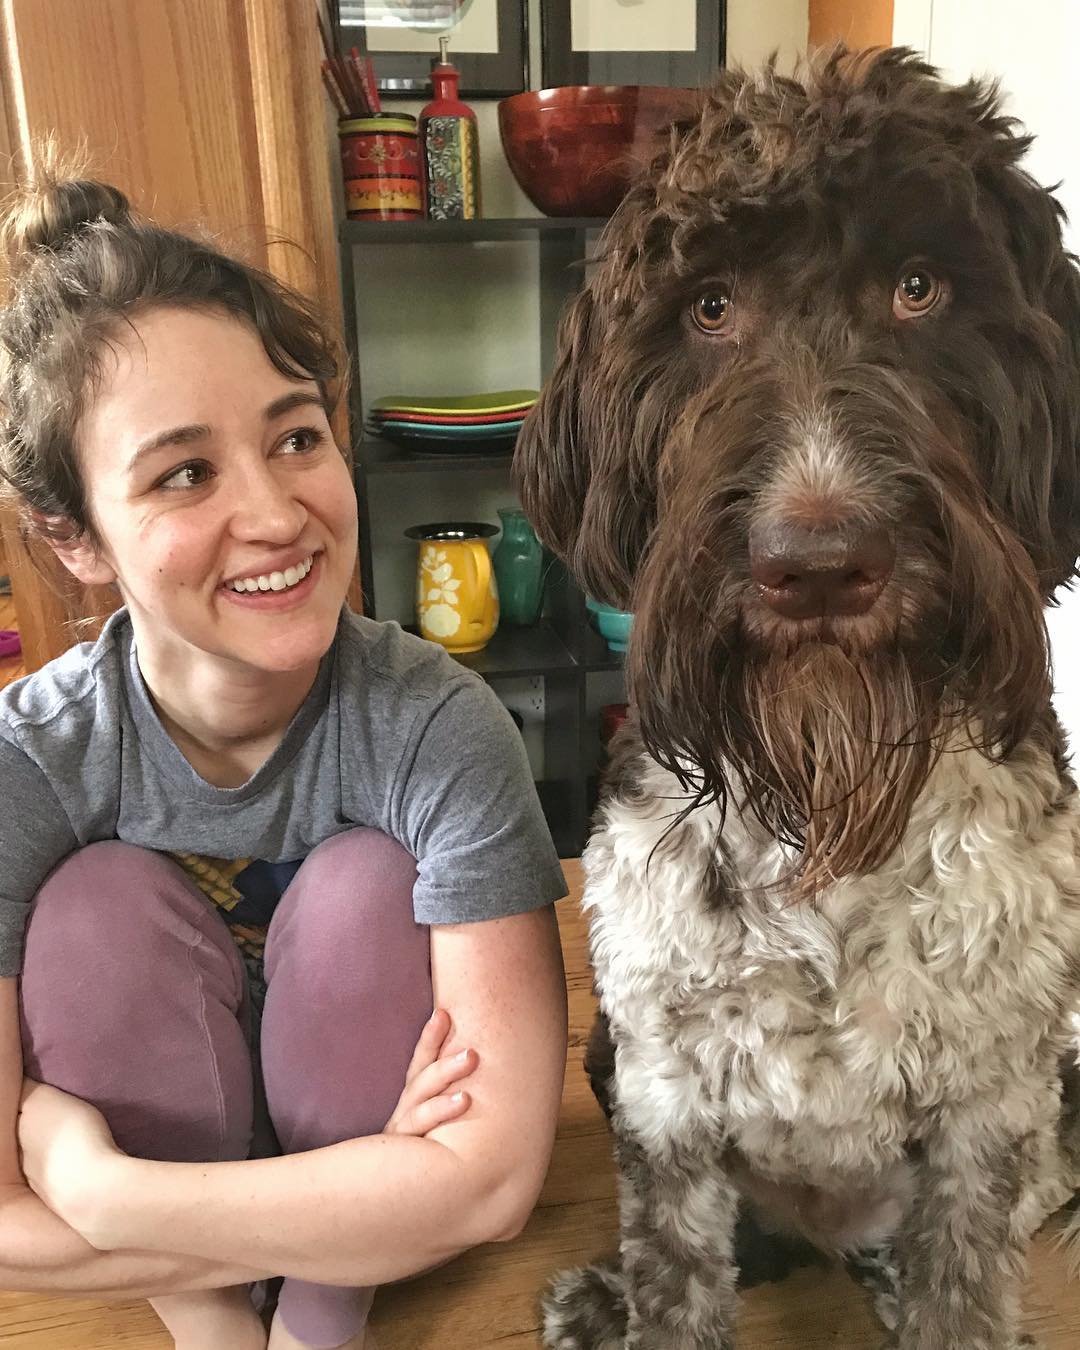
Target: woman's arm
41,1253
382,1208
38,1251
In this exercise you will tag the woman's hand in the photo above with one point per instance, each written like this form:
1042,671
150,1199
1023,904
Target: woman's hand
66,1154
430,1096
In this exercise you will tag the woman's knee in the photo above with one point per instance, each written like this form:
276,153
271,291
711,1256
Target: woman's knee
111,896
112,919
132,996
351,899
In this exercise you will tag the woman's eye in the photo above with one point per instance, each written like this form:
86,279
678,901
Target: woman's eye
306,438
917,292
193,474
711,311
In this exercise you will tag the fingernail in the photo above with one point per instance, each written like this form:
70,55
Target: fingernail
457,1098
461,1056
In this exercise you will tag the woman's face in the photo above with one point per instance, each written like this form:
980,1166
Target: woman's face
224,510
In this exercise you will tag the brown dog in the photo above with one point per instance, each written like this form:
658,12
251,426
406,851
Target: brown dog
816,420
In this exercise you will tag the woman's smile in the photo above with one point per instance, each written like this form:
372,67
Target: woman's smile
276,589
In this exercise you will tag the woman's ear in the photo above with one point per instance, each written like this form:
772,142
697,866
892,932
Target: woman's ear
77,551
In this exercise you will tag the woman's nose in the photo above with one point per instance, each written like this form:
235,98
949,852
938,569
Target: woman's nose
267,507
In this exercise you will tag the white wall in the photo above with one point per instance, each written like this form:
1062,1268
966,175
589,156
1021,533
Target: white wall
1034,50
757,28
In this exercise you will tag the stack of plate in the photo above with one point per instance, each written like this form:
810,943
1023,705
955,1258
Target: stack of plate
468,424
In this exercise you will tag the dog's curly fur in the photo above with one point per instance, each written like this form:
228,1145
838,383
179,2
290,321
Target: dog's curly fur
834,897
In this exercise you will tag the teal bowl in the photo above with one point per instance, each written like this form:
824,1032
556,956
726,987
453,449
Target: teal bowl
614,625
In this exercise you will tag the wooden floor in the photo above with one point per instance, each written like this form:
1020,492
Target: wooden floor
489,1297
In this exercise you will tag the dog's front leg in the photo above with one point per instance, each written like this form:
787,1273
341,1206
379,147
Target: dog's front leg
961,1264
677,1220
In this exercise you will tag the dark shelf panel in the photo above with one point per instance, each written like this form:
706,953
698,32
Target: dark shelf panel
555,797
522,651
462,231
540,650
593,654
376,456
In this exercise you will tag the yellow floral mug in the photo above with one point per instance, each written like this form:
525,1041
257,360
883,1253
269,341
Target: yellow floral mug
457,603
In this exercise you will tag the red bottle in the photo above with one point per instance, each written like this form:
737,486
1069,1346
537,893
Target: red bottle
449,147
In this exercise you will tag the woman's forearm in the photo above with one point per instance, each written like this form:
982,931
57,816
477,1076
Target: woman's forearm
39,1252
362,1212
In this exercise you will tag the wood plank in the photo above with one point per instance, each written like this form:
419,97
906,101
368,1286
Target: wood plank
860,23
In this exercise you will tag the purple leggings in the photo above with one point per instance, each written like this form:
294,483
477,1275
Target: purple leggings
134,997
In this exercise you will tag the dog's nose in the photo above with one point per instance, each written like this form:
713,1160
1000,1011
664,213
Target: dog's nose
808,574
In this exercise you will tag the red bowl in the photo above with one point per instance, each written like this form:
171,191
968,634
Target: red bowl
575,150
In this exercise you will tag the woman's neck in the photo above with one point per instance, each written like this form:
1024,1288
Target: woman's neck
225,722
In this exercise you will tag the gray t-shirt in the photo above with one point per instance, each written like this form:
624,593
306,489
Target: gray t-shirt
394,734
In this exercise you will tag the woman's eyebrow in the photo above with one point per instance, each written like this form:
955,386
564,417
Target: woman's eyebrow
197,431
299,398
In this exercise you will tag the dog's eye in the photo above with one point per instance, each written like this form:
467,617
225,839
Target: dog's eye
917,292
711,311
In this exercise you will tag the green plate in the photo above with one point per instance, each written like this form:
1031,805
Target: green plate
507,400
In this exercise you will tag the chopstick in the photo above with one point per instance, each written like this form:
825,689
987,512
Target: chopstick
350,81
333,88
365,76
324,36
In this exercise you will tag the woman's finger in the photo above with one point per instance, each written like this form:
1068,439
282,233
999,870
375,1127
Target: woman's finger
436,1080
439,1077
432,1039
426,1115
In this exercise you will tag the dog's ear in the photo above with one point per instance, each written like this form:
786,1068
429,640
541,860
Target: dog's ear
1041,474
585,460
551,465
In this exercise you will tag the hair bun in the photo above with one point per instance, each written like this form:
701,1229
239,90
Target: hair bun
54,210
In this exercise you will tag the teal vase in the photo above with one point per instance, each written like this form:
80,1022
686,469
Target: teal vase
519,569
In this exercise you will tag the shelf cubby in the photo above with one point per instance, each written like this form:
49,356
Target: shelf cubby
562,649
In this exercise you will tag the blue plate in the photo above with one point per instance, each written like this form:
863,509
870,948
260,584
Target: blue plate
476,432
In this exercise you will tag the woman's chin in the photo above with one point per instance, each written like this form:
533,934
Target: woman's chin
301,646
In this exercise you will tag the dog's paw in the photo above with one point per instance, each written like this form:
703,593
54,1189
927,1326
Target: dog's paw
585,1309
876,1270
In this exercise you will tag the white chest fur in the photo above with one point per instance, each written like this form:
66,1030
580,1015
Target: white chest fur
812,1036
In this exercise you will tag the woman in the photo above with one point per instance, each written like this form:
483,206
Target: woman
252,839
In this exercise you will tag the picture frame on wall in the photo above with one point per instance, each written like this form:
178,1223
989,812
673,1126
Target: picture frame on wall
681,43
488,43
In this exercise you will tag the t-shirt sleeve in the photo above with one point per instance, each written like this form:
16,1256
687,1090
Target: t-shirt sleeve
35,835
468,811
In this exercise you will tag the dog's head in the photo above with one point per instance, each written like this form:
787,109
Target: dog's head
815,419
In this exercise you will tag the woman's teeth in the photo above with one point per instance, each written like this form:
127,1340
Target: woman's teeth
274,581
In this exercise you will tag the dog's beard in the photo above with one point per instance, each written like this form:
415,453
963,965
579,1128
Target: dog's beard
828,747
831,751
